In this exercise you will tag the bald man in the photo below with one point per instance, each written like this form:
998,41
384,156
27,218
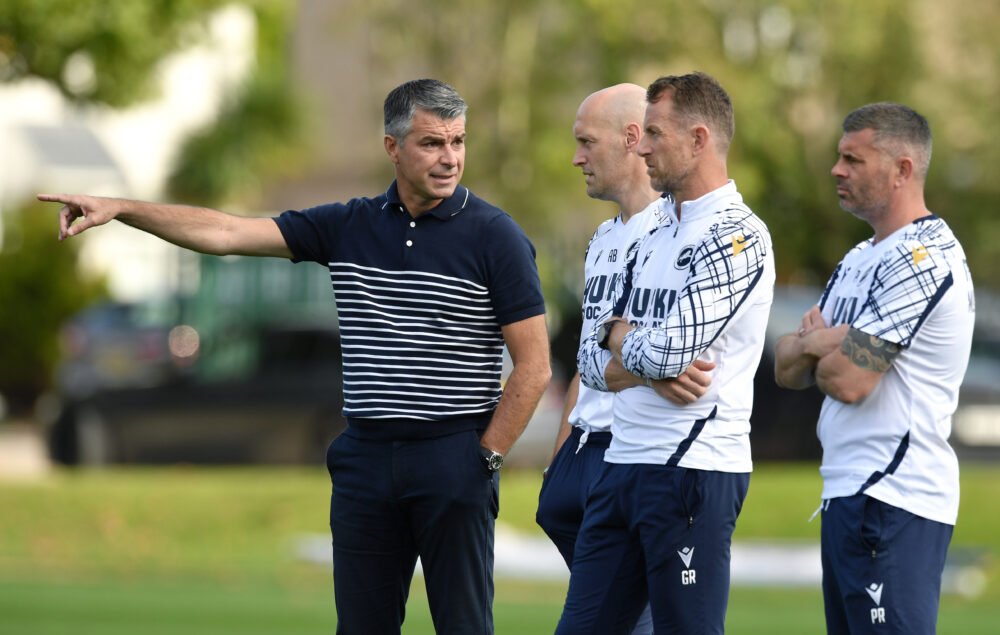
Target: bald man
608,129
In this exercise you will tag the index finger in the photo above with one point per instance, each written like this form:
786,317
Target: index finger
55,198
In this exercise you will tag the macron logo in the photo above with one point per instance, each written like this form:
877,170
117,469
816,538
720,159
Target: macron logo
739,244
875,593
688,552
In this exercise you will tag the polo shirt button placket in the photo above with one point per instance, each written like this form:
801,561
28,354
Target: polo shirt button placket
409,237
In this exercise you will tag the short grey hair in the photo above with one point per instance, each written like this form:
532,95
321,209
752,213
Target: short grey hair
430,95
899,131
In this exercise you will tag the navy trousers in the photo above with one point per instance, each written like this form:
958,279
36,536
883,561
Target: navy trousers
882,568
393,501
564,491
658,533
563,497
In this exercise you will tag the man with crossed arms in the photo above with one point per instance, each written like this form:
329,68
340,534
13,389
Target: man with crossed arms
888,344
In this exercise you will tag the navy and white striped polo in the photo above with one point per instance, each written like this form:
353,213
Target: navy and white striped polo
420,304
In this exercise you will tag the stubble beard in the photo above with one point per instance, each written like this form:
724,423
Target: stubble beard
662,183
867,209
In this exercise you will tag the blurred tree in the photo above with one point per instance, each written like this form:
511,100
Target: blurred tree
96,50
258,135
39,289
794,68
106,51
961,89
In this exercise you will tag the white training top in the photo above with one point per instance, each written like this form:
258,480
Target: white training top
699,288
603,269
913,289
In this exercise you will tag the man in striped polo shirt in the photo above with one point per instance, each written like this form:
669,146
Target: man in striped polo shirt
888,344
430,282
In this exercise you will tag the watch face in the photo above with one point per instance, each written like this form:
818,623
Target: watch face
492,460
604,335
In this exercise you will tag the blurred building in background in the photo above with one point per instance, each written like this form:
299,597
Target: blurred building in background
53,144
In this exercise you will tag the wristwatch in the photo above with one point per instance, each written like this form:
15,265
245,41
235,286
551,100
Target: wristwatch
492,461
604,331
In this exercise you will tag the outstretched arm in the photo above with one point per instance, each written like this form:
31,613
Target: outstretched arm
197,228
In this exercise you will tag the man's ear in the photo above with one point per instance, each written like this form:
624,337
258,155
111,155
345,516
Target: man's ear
633,134
904,171
701,136
391,148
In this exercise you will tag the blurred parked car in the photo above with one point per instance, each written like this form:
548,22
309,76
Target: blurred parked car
137,386
117,345
783,422
135,392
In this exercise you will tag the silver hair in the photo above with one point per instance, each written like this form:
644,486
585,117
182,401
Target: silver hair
430,95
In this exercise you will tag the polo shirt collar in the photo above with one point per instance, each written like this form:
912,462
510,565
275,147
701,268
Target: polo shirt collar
444,210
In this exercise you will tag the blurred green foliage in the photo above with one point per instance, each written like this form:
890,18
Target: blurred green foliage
106,51
39,288
96,50
794,69
258,136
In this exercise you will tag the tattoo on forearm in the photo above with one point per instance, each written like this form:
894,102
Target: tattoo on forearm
869,352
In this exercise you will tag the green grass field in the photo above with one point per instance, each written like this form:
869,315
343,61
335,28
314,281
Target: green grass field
210,551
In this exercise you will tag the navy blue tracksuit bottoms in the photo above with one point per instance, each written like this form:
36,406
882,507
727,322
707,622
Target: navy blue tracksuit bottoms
563,497
654,533
882,568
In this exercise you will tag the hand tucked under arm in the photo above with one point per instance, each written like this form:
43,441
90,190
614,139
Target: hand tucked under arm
688,387
796,354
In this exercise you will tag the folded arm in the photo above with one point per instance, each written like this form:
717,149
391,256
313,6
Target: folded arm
602,370
843,362
851,373
796,354
721,280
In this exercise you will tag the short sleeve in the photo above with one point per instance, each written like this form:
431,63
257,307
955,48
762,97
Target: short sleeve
514,286
910,281
311,234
